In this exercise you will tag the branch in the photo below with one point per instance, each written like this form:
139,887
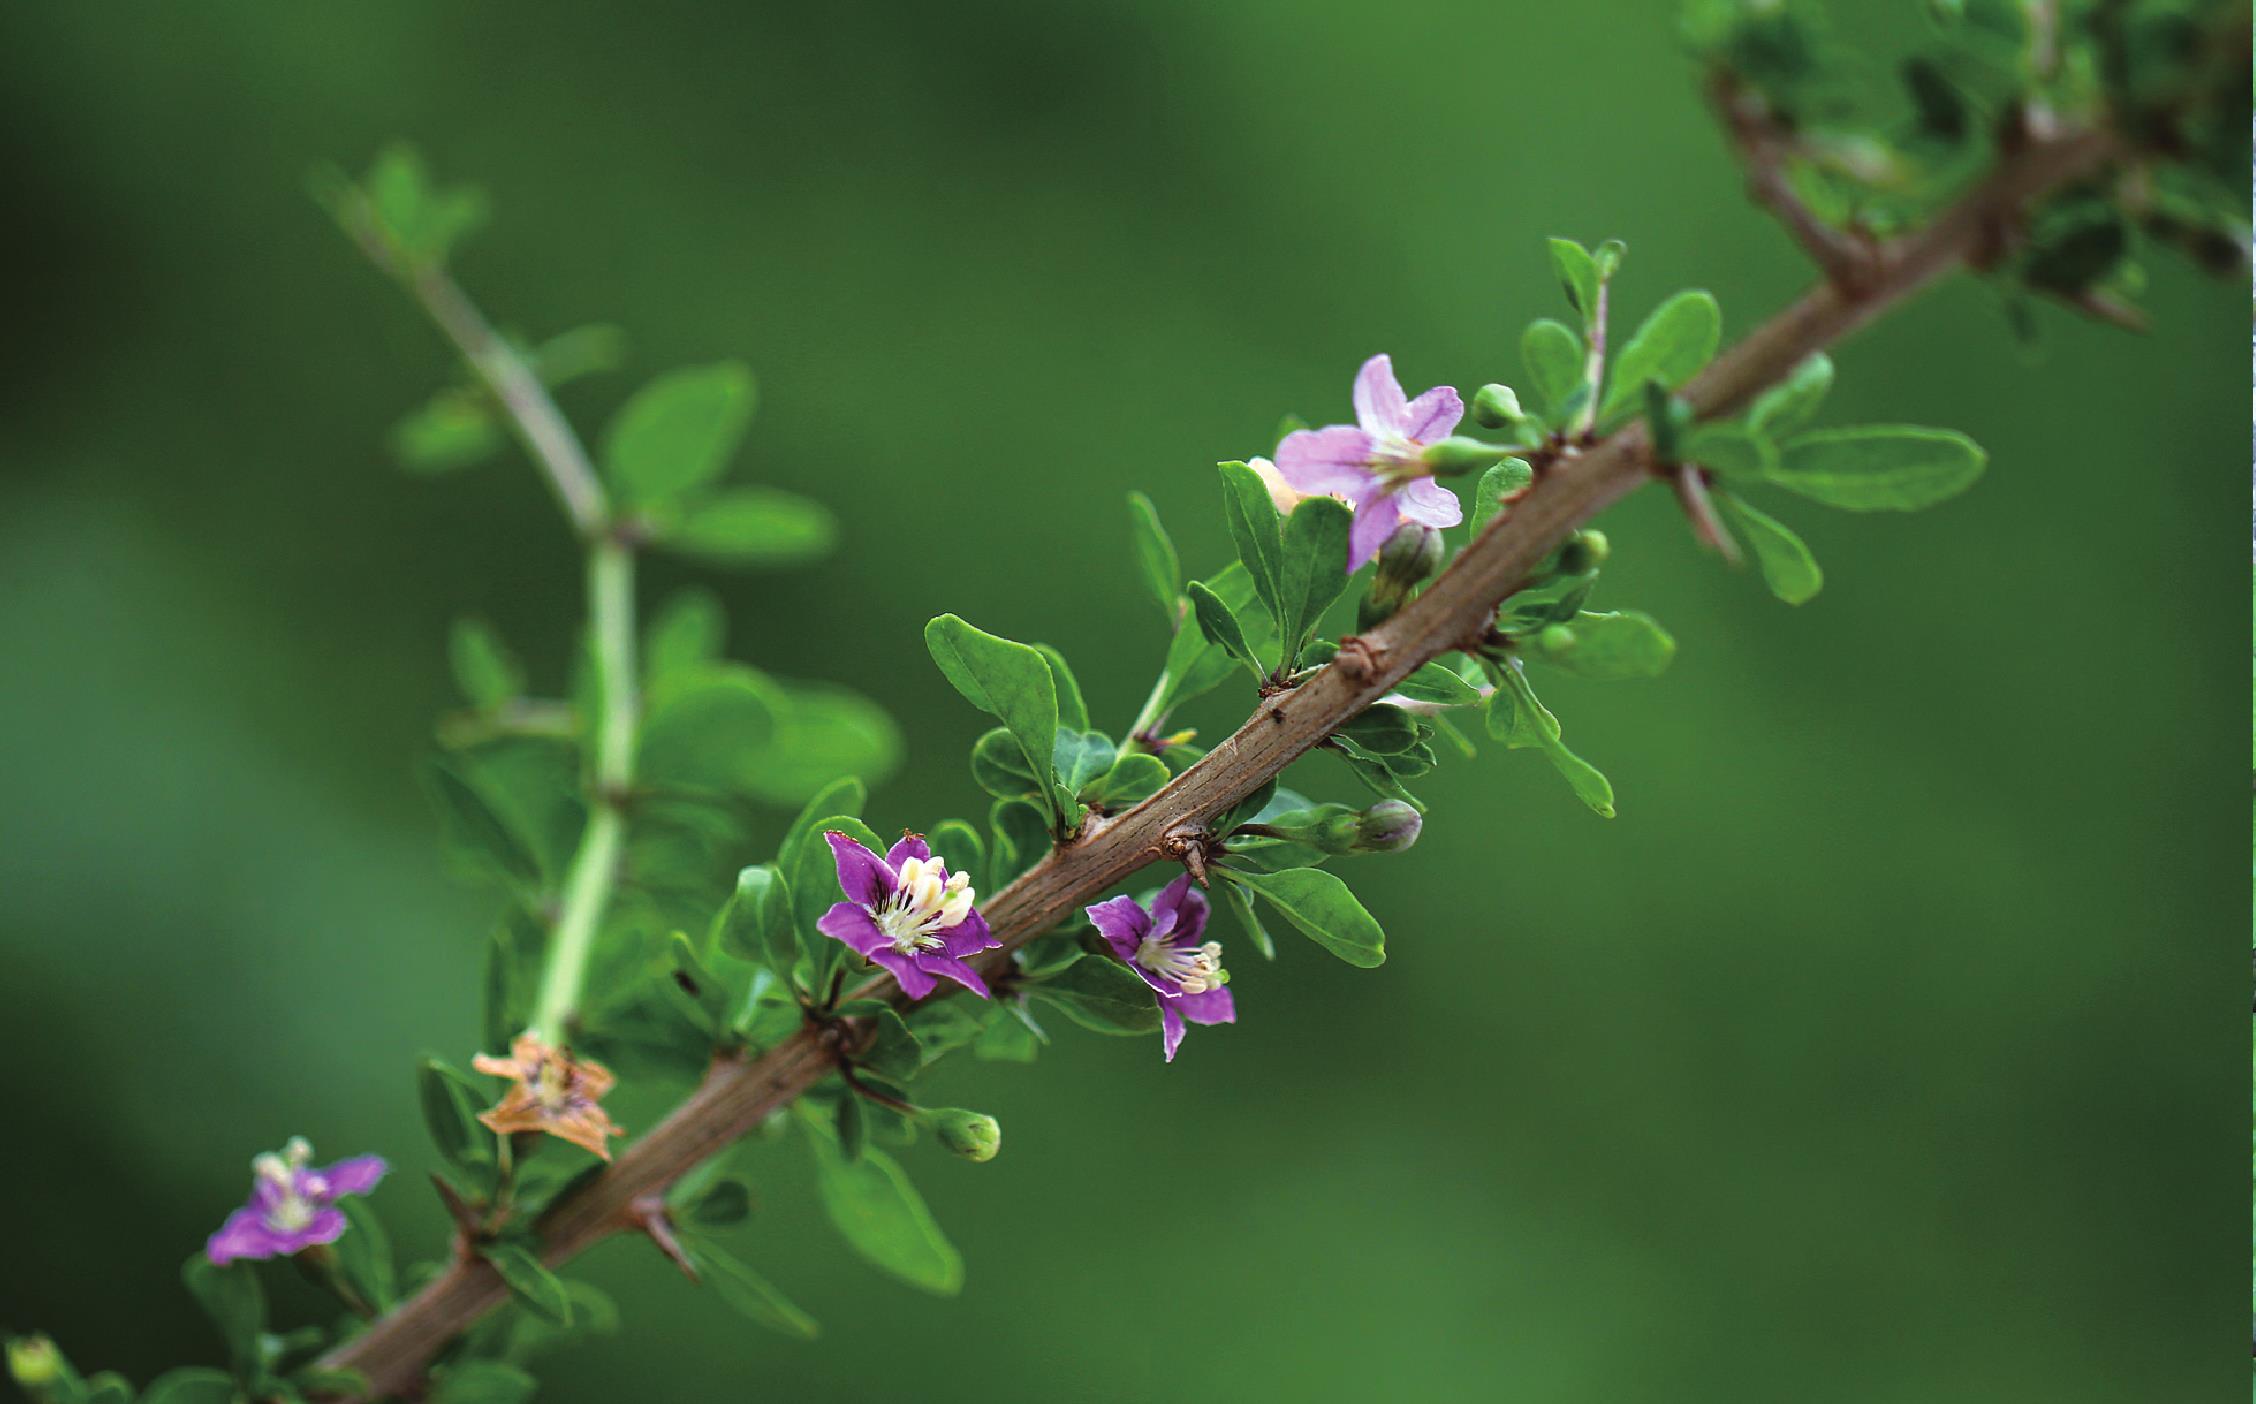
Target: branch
554,447
1764,148
740,1093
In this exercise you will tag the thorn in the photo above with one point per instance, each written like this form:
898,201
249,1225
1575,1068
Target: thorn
648,1214
1691,485
458,1209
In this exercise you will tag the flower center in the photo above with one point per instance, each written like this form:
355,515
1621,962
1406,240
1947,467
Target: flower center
1398,459
552,1085
928,900
1196,968
296,1192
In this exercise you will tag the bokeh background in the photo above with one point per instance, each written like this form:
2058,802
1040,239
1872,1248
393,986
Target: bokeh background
1885,1048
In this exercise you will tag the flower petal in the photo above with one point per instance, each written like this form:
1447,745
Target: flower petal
934,963
1167,907
1170,1028
1209,1006
1122,923
1375,520
909,846
1378,398
1190,923
1428,503
862,875
1433,415
915,983
968,937
245,1235
854,926
1329,460
355,1176
326,1226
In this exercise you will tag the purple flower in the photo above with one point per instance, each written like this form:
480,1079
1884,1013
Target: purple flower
1163,946
292,1206
908,914
1377,464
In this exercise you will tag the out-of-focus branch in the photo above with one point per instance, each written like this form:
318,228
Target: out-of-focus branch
1764,147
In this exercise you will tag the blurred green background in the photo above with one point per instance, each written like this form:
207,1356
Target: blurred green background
1885,1048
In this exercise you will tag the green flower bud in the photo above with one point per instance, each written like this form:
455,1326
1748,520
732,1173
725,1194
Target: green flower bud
1387,827
1407,560
1556,639
1584,552
1448,457
34,1362
1497,407
1608,257
972,1135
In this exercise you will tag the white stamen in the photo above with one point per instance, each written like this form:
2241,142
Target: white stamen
1196,969
928,900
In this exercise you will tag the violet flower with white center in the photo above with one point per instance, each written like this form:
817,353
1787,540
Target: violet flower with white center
1377,465
1163,946
906,912
292,1205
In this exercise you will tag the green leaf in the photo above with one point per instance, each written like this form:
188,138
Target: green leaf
1156,562
1880,467
1081,757
1553,356
756,922
450,1102
1255,530
1793,402
474,832
753,526
961,845
191,1385
1321,908
881,1215
1501,479
529,1281
1219,623
1521,721
454,429
812,879
421,220
364,1254
109,1387
483,666
706,992
1022,839
1135,777
1241,906
1578,276
1607,647
893,1051
232,1298
677,432
482,1382
725,1202
1381,729
1437,682
1312,571
998,766
1100,995
1008,681
750,1294
823,733
1195,665
1010,1037
687,633
1072,711
1374,771
714,730
1788,568
1670,346
1730,449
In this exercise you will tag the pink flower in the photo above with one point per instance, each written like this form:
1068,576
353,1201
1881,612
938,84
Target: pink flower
1377,465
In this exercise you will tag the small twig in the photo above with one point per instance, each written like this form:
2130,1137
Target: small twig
1764,148
871,1094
